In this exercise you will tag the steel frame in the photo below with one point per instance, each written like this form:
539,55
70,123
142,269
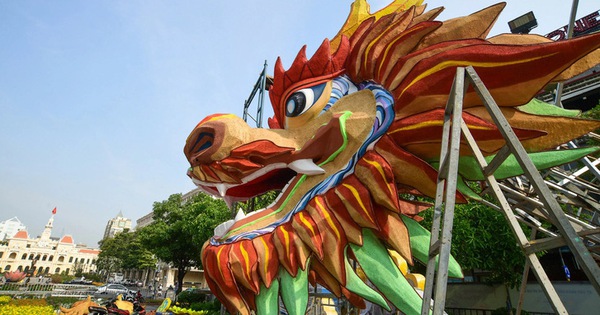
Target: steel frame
441,234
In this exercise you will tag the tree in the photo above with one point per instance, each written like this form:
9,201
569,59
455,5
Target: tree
180,229
482,239
258,202
124,251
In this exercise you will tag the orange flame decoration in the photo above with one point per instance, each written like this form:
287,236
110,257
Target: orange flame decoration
322,128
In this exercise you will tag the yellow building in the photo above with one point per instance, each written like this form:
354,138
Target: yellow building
45,254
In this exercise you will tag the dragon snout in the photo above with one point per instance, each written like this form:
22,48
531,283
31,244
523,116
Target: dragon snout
214,137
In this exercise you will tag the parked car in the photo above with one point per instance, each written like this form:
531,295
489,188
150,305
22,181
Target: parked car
81,280
114,288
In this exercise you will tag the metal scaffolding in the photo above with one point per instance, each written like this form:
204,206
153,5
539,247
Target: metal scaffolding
516,206
261,85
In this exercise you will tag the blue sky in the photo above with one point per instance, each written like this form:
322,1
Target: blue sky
98,97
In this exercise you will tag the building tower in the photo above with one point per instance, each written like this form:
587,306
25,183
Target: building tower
47,229
116,225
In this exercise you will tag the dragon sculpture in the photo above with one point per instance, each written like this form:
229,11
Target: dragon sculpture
356,129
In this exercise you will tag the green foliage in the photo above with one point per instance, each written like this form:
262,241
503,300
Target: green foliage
189,297
92,276
180,229
482,239
212,307
593,113
124,251
185,311
258,202
60,278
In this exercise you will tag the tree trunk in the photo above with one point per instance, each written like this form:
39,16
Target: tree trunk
181,271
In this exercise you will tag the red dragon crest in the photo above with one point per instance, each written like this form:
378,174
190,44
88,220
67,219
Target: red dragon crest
356,126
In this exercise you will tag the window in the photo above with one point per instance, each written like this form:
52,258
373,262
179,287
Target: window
45,257
51,257
28,246
24,257
67,271
61,259
75,260
12,256
47,270
7,268
31,257
37,257
70,259
57,270
1,254
20,268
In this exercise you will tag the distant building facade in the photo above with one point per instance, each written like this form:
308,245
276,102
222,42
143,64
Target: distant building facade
10,227
144,221
46,254
583,91
116,225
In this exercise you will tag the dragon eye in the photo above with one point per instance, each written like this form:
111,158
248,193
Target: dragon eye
302,100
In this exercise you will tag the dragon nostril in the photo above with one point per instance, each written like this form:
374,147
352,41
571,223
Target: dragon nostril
204,140
200,145
207,138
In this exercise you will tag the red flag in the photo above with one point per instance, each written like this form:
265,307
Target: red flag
54,210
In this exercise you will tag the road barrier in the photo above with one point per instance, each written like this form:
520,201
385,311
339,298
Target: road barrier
43,290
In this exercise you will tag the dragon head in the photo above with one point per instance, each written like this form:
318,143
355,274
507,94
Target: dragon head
356,126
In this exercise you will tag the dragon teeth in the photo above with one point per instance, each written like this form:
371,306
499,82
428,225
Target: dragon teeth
222,188
222,228
239,215
306,167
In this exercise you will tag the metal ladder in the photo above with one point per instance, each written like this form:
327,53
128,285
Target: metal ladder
441,235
